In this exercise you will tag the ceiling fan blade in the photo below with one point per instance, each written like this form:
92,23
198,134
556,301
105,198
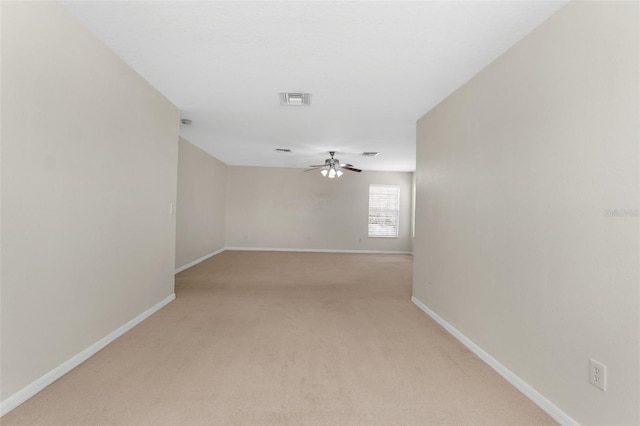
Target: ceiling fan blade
313,168
318,165
346,165
352,169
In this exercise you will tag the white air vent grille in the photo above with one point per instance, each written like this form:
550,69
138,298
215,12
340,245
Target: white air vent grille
295,98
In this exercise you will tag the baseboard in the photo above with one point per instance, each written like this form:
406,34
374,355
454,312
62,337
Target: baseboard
317,250
202,259
30,390
542,402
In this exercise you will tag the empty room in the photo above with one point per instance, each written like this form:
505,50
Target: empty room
320,212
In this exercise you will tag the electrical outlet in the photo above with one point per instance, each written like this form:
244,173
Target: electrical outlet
598,374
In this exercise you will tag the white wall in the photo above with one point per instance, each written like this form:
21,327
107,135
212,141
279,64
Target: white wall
201,209
290,208
519,173
89,159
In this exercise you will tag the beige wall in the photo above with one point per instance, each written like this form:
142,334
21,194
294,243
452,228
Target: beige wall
201,210
288,208
518,173
89,160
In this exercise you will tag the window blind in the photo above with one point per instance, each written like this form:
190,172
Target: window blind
384,209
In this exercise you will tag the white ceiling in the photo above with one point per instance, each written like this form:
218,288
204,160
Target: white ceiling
373,68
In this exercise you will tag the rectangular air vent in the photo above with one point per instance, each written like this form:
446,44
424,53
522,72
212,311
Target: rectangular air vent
283,150
369,154
295,98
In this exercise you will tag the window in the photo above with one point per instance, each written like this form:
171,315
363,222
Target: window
384,206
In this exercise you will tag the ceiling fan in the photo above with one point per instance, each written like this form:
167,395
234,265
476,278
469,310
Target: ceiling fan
332,167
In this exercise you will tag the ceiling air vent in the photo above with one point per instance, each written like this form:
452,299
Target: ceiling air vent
283,150
295,98
370,154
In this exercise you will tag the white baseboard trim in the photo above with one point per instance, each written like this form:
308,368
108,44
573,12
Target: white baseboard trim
542,402
30,390
202,259
317,250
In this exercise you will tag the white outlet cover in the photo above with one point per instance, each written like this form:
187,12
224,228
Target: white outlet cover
598,374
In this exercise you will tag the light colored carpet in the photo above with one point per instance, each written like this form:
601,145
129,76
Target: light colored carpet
273,338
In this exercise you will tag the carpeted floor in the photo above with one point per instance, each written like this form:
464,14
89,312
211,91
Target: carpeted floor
274,338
